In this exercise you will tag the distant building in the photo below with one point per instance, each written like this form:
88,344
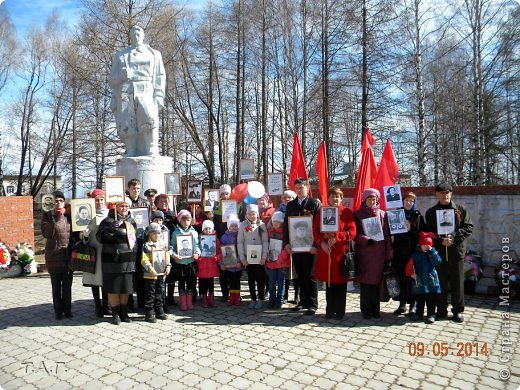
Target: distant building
11,183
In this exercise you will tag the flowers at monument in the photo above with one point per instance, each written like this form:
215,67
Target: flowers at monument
5,257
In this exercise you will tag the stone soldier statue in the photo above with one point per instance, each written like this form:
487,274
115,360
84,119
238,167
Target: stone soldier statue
138,80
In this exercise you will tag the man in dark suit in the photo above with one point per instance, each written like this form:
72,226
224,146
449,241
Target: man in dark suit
330,217
303,262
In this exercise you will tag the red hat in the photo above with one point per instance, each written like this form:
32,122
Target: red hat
426,238
96,192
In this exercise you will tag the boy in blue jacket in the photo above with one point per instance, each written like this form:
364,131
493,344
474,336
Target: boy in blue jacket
425,285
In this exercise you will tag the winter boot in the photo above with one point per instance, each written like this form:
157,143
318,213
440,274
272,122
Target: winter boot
150,317
211,300
189,300
231,300
116,320
123,313
104,305
237,298
99,308
205,302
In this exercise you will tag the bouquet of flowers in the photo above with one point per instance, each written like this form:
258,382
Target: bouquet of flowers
24,254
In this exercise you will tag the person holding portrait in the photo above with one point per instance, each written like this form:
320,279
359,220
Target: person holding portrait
331,250
452,249
56,228
371,254
303,262
95,280
404,245
118,234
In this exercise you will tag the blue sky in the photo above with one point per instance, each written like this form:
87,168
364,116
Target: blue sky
27,13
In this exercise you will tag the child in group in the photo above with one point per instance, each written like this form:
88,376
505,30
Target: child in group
184,266
233,272
252,231
425,283
207,267
277,262
158,218
155,261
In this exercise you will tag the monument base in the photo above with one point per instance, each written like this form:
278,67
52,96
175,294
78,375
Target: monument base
149,170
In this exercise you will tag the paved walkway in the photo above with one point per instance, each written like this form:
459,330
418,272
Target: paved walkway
238,348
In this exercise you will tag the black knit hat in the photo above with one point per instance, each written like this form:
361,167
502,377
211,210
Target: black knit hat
58,194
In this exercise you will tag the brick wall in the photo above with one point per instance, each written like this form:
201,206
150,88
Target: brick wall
16,220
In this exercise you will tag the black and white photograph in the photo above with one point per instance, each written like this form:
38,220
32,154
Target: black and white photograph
229,255
184,245
300,233
329,219
140,216
275,184
208,245
194,191
445,221
229,207
159,260
47,202
373,229
397,221
211,199
253,254
115,189
82,211
246,168
392,196
172,183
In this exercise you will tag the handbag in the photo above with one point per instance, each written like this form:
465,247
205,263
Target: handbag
348,264
390,287
83,257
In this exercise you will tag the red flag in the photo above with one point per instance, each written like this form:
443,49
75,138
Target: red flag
387,172
367,170
323,172
297,163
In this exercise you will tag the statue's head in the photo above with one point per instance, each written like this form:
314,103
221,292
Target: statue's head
137,35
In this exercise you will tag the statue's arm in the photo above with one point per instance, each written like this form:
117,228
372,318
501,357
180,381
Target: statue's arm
159,79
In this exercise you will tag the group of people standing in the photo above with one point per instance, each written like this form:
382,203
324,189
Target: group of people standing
150,265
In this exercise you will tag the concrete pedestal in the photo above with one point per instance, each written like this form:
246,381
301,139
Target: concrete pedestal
149,170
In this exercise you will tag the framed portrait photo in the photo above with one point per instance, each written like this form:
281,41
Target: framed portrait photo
229,255
114,189
275,248
229,207
208,245
372,228
140,216
184,246
397,221
445,221
329,219
211,199
246,169
194,191
275,184
172,183
82,212
300,233
47,202
160,260
253,254
392,196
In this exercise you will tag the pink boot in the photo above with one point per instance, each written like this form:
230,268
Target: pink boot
205,301
237,299
189,301
231,300
211,300
182,299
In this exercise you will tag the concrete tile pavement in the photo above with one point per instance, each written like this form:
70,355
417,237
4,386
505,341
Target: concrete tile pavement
238,348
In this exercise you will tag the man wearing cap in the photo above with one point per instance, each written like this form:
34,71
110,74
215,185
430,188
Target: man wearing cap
452,248
303,262
150,194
